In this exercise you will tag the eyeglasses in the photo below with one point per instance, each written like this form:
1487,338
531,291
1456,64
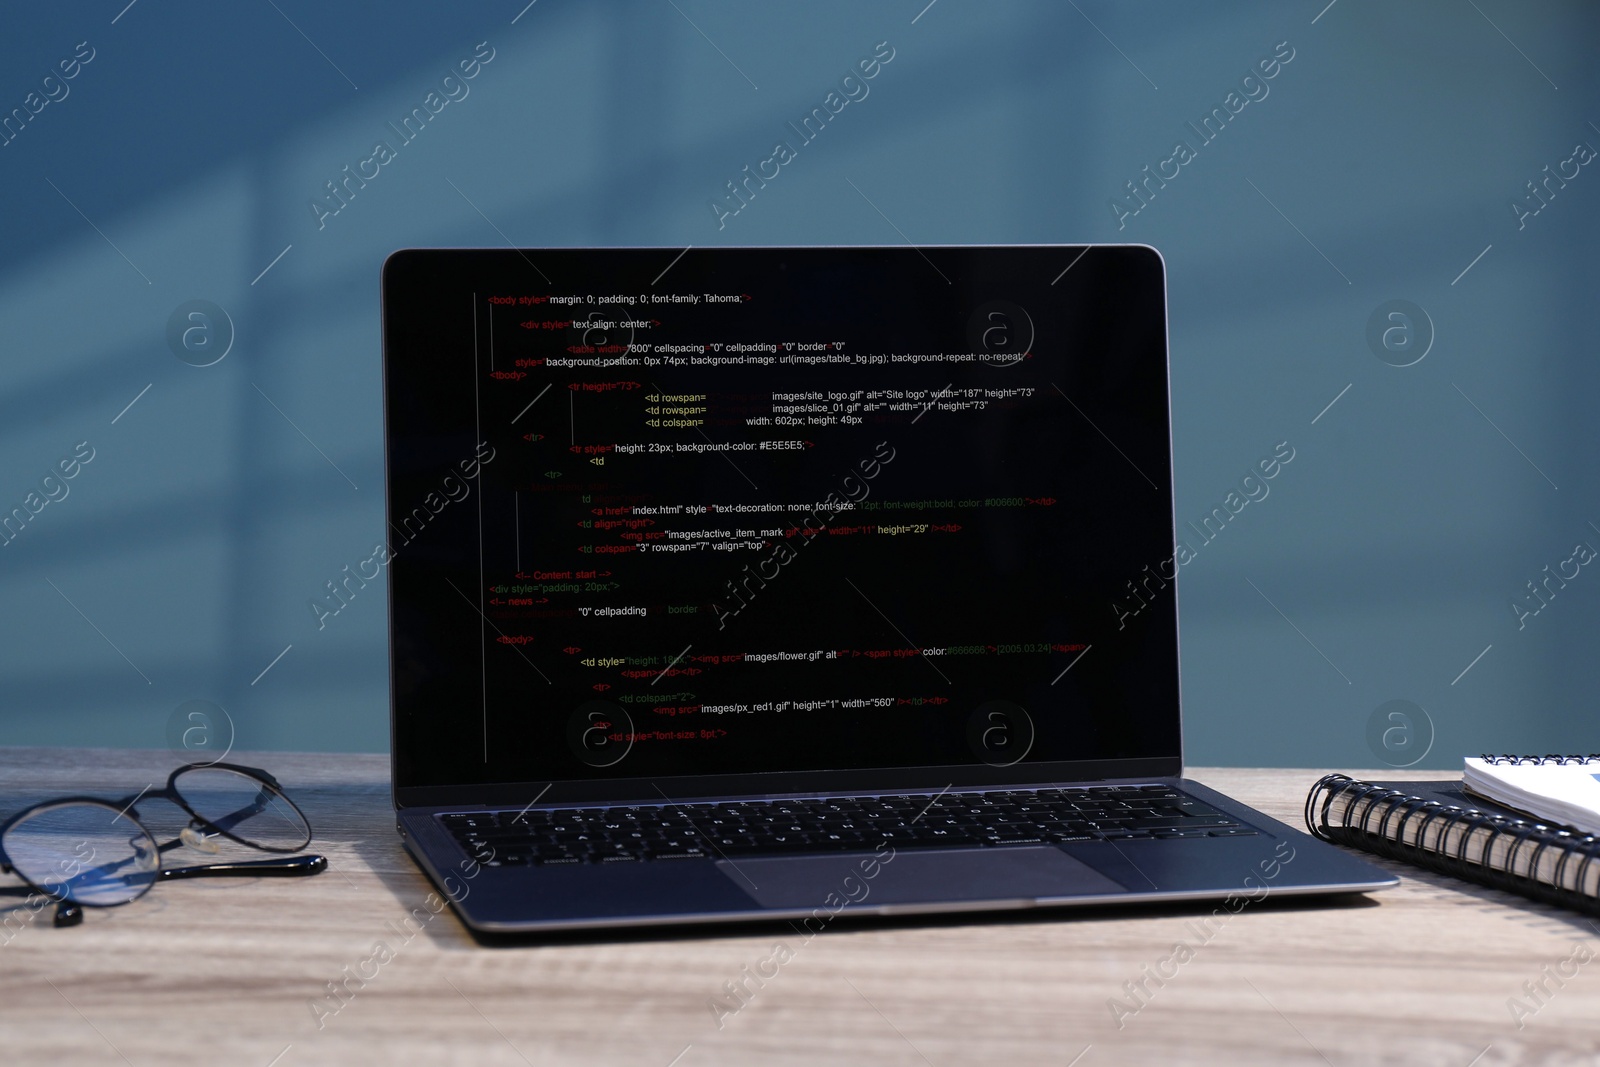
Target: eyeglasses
87,852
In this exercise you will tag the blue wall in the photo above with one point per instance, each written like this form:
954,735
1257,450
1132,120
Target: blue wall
180,162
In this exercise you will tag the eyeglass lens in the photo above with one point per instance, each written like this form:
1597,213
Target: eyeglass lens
243,806
87,852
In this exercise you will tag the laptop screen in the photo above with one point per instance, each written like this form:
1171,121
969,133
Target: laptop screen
657,513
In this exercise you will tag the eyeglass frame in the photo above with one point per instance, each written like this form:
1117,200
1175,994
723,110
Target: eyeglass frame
69,912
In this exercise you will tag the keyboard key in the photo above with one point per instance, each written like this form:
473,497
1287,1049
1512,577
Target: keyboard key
511,838
1195,807
1019,837
669,852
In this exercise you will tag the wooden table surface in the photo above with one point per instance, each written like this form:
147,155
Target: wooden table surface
217,971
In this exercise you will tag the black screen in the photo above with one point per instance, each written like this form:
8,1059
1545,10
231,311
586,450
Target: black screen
736,511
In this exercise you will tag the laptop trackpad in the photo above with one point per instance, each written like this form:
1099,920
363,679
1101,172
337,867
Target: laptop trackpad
912,877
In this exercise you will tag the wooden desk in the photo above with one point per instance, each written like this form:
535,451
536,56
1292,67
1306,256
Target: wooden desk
224,970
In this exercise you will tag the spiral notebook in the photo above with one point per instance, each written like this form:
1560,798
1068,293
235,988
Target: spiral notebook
1440,826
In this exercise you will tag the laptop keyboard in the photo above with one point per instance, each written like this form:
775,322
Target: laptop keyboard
649,832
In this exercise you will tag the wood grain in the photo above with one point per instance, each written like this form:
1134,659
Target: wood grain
225,971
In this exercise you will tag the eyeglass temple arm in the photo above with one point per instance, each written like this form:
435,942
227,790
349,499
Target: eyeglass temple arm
229,821
291,867
70,913
91,875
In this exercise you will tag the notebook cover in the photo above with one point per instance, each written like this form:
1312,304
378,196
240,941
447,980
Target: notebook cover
1450,792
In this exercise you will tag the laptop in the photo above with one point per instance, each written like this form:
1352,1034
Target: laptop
744,584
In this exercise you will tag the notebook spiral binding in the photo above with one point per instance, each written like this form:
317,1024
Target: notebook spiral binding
1437,820
1536,761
